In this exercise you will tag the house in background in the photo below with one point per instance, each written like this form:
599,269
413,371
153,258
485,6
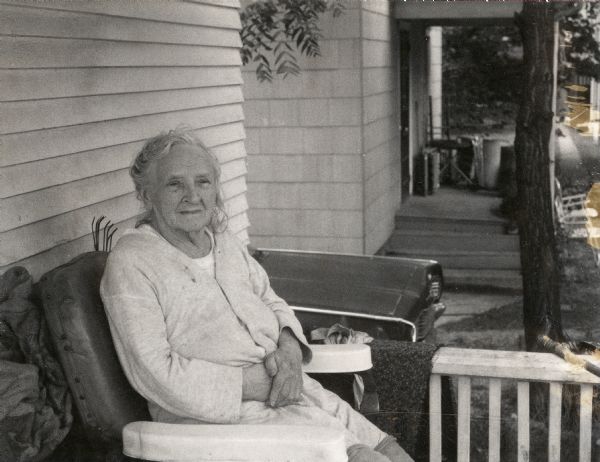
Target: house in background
82,85
331,152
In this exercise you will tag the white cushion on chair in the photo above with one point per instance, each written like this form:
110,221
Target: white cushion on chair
265,443
349,357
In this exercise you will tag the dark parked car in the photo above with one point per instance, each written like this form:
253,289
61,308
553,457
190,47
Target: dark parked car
388,297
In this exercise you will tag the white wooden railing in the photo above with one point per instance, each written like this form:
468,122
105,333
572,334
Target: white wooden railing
463,364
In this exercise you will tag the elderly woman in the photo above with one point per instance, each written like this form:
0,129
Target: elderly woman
198,329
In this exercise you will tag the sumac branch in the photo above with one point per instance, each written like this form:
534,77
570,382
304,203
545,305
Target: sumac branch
275,31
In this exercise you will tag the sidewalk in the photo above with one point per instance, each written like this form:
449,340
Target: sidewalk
462,304
462,325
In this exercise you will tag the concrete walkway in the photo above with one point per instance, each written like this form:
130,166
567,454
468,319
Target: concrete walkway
461,305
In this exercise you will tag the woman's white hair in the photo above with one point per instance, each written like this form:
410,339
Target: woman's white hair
160,146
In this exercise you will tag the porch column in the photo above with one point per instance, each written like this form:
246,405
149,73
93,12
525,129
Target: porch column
435,81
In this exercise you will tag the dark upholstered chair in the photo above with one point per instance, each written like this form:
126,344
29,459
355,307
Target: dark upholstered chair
112,413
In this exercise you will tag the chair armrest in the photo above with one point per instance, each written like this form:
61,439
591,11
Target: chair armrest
350,357
293,443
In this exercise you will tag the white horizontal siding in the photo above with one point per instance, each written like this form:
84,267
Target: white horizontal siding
21,116
25,84
234,187
38,52
68,208
70,24
156,10
43,144
22,178
82,85
44,234
236,205
38,264
38,205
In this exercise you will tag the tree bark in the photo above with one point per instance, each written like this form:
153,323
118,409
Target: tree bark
539,254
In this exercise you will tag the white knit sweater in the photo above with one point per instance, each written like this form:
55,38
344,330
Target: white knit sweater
183,336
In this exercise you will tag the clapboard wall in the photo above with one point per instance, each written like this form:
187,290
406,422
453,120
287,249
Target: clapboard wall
323,158
82,85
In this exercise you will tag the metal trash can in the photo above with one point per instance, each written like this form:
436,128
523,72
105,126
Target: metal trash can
427,172
490,167
434,171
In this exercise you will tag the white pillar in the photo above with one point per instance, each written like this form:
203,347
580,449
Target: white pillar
435,79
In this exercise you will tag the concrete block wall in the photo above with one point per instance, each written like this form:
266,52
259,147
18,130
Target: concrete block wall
320,145
382,181
304,143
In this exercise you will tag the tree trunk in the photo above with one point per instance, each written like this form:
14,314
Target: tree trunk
539,254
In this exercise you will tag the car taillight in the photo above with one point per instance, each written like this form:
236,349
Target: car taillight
434,288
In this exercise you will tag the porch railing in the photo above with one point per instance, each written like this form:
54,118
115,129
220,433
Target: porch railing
496,366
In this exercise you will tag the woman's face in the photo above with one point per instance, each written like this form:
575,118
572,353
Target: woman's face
182,190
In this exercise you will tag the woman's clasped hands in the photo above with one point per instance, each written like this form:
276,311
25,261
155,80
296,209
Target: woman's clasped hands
284,366
278,380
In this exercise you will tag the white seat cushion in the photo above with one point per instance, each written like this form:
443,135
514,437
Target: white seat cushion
259,443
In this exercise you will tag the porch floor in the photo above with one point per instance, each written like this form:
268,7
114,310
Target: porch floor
454,204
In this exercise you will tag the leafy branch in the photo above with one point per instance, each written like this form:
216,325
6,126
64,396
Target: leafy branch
275,31
581,48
